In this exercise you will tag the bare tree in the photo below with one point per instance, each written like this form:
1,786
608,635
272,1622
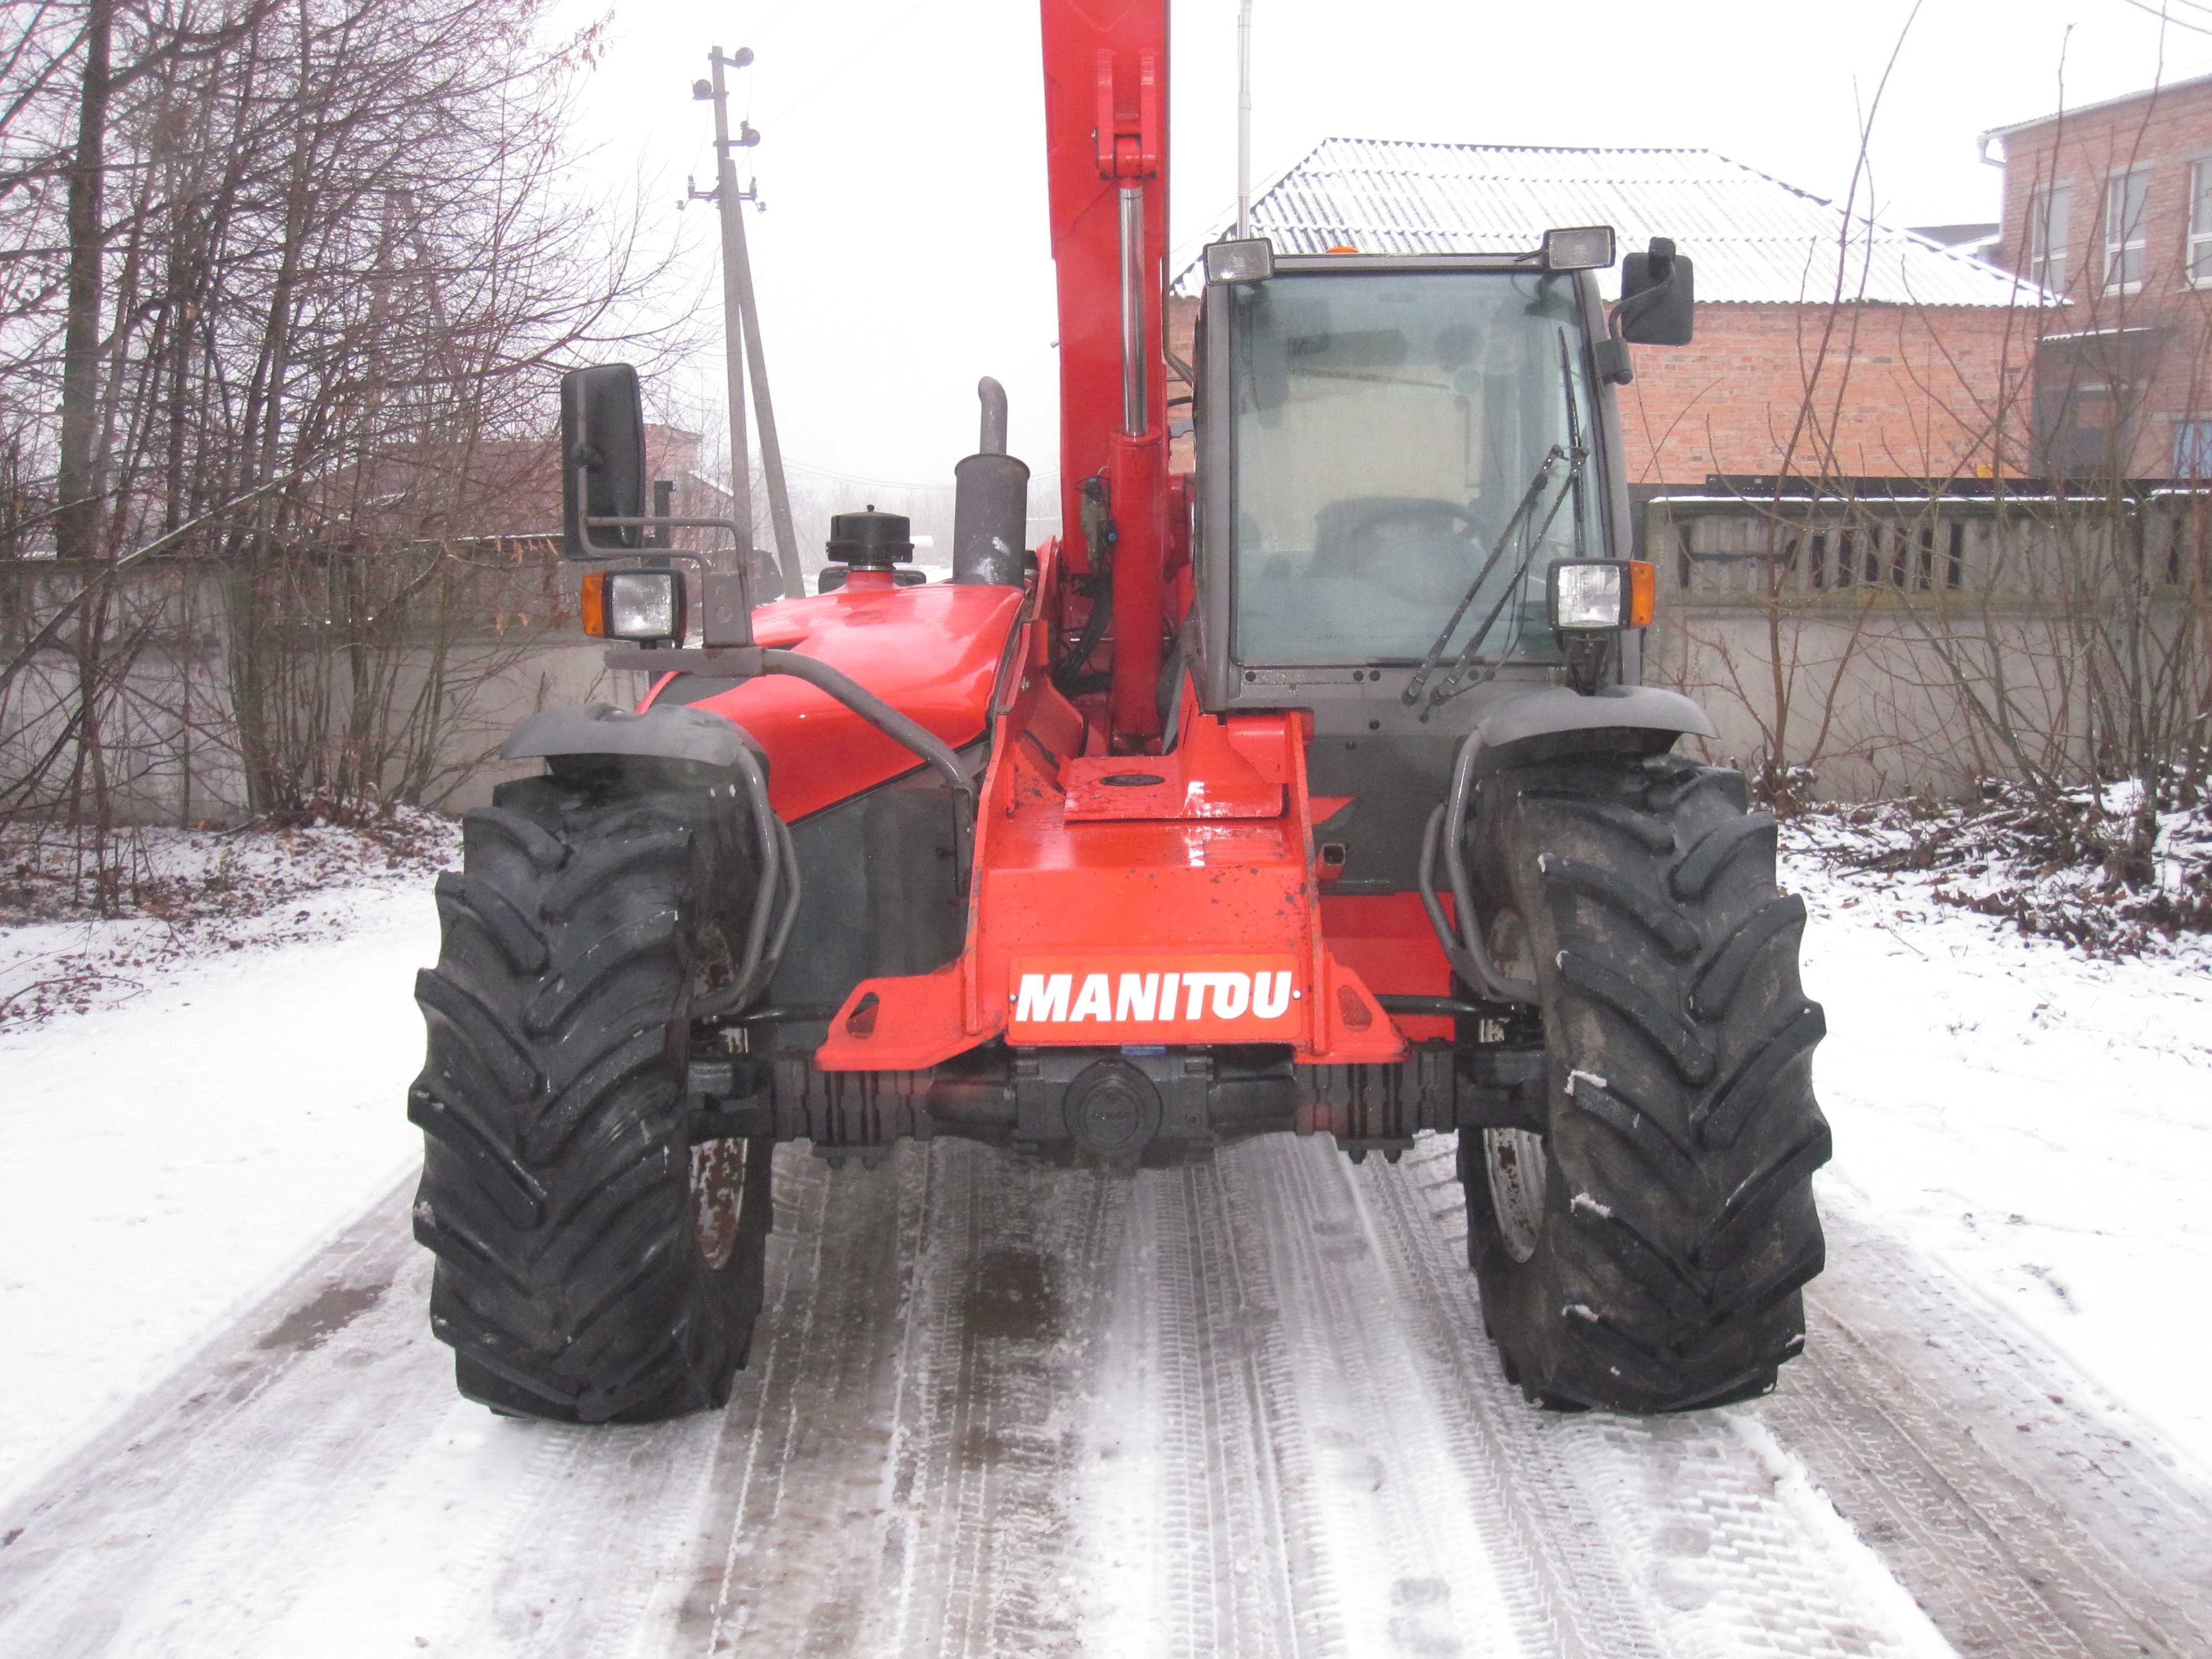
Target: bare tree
294,279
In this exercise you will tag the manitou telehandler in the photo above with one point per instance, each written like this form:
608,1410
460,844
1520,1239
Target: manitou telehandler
1314,790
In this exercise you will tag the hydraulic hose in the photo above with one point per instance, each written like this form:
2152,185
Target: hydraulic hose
1464,947
779,869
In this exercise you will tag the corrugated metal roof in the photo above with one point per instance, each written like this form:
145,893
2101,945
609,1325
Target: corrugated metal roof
1753,238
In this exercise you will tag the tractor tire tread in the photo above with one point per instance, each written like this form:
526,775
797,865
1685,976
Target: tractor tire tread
1678,1226
555,1192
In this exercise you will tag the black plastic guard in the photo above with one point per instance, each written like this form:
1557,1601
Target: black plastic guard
670,733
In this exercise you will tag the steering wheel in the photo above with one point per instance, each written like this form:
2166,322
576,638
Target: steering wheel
1418,548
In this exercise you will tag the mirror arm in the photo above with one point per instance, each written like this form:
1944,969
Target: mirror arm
583,486
1610,355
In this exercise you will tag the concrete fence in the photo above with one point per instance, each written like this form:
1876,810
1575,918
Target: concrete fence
191,671
1865,641
1891,646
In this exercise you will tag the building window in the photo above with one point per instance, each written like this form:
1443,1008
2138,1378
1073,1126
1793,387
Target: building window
2192,450
2200,224
2046,236
2126,196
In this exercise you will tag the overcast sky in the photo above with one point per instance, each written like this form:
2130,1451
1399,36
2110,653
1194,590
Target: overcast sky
904,249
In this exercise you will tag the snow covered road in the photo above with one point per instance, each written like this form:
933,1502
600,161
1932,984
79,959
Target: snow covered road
164,1161
1237,1409
1241,1409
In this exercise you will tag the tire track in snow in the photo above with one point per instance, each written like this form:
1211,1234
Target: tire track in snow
1230,1592
2027,1524
1314,1453
1418,1560
1286,1461
896,1481
198,1517
1182,1539
1581,1604
1689,1529
798,1529
1016,1256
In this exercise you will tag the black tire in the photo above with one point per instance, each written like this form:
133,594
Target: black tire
1646,1252
593,1266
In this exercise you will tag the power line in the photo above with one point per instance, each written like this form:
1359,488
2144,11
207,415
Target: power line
863,478
2164,16
843,476
824,80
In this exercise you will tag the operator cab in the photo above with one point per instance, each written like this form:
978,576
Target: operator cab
1381,438
1399,457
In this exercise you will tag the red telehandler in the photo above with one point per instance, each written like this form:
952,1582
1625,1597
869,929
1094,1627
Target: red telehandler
1315,790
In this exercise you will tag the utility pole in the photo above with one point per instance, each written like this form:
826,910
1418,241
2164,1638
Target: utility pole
741,340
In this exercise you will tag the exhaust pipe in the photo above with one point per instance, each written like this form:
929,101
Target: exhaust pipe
990,503
993,398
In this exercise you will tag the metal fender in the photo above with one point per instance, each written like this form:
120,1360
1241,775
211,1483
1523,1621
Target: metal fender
673,732
1556,708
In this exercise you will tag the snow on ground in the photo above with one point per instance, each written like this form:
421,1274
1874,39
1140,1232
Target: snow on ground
164,1161
176,896
2037,1119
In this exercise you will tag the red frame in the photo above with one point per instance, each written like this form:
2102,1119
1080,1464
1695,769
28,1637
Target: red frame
1100,855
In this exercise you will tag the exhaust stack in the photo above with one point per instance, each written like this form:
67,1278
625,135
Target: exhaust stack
990,503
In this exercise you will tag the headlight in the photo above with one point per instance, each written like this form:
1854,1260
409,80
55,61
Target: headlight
633,605
1252,260
1608,593
1584,247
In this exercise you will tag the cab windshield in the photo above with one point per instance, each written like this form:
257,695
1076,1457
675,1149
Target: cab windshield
1391,432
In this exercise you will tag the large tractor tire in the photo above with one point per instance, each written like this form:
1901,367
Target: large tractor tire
1645,1252
593,1264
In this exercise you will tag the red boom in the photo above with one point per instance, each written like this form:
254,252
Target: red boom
1106,135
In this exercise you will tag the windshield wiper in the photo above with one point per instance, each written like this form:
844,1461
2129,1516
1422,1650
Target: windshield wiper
1450,686
1529,498
1455,681
1574,440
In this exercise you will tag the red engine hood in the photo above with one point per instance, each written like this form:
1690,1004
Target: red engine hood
933,651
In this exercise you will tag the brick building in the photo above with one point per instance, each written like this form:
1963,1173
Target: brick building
2109,209
1826,345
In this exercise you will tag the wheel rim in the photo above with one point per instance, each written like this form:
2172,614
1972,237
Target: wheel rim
718,1189
717,1167
1515,1160
1519,1173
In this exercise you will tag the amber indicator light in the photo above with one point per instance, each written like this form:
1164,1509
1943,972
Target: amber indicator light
592,602
1643,593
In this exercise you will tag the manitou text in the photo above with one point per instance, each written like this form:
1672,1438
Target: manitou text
1143,999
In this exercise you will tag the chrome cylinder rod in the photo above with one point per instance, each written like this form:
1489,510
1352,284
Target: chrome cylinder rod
1133,399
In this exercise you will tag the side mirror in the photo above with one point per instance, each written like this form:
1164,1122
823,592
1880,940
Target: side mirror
1658,297
602,460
